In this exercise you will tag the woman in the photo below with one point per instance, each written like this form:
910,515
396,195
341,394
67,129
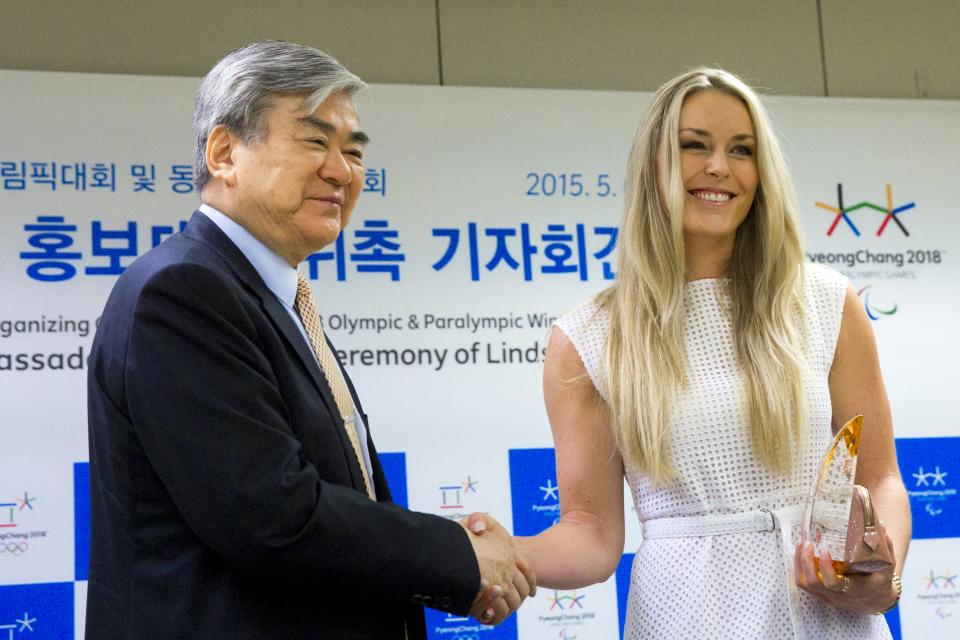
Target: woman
713,374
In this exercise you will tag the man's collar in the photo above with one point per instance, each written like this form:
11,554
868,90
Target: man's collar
277,274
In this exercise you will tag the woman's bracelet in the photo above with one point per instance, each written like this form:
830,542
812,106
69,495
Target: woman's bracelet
899,587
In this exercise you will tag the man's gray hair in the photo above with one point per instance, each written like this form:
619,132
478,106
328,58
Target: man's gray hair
239,89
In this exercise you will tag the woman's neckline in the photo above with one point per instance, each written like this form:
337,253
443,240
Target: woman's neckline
699,280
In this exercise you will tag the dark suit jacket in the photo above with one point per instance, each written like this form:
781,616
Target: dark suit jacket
226,499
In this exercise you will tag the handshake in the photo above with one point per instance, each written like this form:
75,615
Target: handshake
506,578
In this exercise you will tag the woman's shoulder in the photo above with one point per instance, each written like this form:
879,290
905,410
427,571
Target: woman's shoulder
585,329
819,277
826,292
590,316
825,287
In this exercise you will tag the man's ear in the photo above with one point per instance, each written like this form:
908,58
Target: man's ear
221,145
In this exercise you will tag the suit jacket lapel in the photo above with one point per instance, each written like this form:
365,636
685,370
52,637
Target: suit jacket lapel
290,331
202,229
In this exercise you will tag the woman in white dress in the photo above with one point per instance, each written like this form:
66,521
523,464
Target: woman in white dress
713,375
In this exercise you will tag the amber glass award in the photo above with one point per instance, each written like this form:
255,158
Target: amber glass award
828,507
840,517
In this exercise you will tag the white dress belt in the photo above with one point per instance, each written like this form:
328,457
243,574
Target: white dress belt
720,524
709,525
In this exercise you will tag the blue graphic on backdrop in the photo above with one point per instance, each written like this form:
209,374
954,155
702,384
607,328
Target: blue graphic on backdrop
37,611
81,521
448,626
893,621
930,468
533,490
623,588
395,468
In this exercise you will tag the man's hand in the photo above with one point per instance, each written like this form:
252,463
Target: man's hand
506,577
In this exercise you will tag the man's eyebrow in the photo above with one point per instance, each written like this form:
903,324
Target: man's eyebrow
706,134
323,125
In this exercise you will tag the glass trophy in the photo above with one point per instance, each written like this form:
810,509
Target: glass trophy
828,506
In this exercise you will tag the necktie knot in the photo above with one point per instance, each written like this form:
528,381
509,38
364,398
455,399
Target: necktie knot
303,289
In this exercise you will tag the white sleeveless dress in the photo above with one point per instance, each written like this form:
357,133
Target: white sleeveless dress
696,580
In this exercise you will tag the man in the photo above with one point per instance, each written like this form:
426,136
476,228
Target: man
236,492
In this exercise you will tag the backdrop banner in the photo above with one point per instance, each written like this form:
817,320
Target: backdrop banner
485,214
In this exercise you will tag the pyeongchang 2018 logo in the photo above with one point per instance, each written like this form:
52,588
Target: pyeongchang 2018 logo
900,258
550,503
19,625
567,609
940,589
842,213
534,493
14,518
454,497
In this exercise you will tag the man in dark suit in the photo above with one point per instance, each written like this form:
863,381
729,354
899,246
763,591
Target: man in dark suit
236,492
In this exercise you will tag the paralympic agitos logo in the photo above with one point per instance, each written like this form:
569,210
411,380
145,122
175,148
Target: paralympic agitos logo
890,212
875,311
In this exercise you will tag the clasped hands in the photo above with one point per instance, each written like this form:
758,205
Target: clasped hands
506,578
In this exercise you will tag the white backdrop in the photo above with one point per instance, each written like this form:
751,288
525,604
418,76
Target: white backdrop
499,170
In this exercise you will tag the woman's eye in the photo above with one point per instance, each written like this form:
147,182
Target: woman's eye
742,150
692,144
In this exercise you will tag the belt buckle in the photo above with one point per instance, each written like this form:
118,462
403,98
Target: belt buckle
770,520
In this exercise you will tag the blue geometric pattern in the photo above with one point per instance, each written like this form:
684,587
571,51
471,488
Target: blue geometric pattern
623,588
395,468
81,520
534,494
930,468
37,611
446,626
893,621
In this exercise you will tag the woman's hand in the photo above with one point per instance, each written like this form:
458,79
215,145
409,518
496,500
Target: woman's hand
854,592
496,602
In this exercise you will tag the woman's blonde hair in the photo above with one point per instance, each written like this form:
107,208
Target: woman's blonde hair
645,351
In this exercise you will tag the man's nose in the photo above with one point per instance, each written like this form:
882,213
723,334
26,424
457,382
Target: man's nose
335,168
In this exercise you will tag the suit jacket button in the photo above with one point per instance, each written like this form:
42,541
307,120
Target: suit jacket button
417,599
427,600
446,601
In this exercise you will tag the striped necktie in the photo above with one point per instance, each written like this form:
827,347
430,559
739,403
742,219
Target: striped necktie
306,307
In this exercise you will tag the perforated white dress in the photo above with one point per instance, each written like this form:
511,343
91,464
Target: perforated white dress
717,554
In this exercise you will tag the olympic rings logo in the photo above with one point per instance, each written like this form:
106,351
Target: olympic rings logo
13,548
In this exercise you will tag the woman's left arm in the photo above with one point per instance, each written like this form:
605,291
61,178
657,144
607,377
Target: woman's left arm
856,386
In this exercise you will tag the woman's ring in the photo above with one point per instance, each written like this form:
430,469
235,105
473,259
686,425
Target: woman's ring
846,584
